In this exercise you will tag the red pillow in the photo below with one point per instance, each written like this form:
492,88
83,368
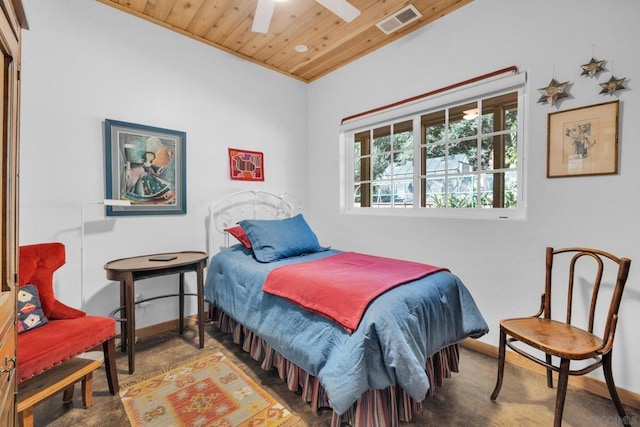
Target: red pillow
238,233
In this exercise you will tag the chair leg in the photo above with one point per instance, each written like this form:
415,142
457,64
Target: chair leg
549,372
563,382
608,375
108,348
67,395
87,390
501,356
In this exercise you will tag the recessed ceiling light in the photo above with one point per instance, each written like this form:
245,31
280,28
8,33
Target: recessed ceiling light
301,48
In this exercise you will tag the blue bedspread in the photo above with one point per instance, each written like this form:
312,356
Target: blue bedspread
398,332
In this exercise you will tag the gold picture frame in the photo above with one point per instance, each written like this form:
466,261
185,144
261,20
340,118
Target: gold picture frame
583,141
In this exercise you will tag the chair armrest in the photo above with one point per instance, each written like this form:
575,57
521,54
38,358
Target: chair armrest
61,311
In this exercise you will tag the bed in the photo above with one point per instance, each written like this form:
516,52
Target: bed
372,368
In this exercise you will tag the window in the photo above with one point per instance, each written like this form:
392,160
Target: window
461,158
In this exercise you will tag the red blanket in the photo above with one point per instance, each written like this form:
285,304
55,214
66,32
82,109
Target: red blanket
340,287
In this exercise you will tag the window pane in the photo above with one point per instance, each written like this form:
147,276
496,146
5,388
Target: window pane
361,169
382,140
365,169
382,132
486,190
463,121
499,190
510,189
382,145
381,165
487,121
403,141
435,159
499,112
381,195
487,160
511,118
404,158
435,193
507,190
463,156
499,152
357,176
356,195
400,127
511,150
361,143
462,193
364,194
403,193
403,144
433,125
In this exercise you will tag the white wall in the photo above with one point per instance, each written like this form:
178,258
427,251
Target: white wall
84,62
501,262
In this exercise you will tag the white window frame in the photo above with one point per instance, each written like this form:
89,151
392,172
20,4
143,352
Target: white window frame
413,111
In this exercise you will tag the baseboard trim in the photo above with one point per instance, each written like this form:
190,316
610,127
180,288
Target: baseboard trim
159,328
583,382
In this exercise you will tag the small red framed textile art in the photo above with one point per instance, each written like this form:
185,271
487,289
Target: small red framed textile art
245,165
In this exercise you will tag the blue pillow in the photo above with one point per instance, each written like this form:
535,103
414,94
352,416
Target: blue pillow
275,239
30,314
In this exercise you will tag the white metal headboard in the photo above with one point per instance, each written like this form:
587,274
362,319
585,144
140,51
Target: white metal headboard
248,204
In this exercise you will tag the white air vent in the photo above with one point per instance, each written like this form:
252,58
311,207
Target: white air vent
399,19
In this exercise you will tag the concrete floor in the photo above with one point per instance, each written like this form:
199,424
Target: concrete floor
462,401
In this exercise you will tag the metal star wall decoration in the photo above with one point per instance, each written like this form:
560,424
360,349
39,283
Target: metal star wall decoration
612,85
592,68
553,92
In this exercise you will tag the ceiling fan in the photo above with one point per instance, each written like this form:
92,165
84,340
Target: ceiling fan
264,12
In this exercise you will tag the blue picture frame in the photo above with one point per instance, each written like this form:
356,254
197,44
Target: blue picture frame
145,166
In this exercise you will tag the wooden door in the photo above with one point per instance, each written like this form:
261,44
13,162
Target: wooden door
12,21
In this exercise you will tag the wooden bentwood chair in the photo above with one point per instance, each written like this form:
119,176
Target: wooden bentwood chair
560,338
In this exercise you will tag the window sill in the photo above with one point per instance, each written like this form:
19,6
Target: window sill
440,213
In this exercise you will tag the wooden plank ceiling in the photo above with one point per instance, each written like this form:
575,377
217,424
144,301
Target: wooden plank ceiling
331,42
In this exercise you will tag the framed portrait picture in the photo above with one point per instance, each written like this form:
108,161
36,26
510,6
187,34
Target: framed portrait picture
245,165
583,141
146,166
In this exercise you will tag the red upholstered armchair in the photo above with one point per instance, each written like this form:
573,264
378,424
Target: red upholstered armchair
68,332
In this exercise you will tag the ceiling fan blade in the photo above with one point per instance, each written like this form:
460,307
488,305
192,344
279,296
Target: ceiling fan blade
342,8
262,17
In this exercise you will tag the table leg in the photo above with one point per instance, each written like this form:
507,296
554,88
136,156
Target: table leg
131,321
181,304
26,417
123,316
200,283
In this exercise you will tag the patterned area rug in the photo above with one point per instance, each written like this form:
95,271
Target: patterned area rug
210,391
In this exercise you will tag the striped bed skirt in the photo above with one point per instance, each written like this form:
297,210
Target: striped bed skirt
374,408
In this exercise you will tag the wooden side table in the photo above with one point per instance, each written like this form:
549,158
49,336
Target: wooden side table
128,270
